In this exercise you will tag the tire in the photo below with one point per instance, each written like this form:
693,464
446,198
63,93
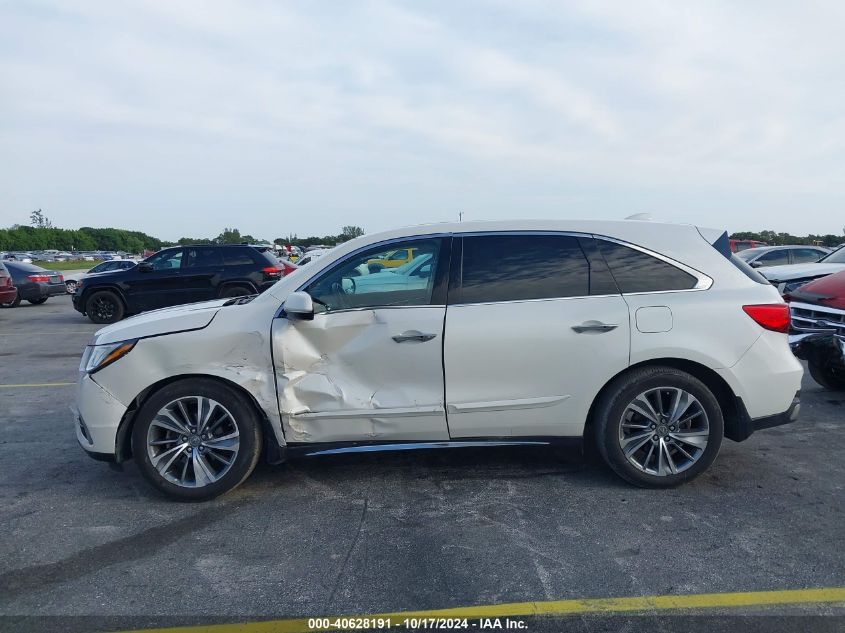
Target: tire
14,303
235,291
231,412
70,286
827,376
38,302
104,306
680,452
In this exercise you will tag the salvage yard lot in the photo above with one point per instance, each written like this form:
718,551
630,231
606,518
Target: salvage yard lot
374,533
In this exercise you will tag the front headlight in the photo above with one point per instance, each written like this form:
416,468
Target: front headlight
95,357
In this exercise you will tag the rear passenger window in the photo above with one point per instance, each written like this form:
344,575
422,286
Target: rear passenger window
237,257
635,271
520,267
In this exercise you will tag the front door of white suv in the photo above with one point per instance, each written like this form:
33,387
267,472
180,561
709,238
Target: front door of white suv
534,328
369,366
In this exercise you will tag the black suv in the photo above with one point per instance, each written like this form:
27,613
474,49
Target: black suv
173,276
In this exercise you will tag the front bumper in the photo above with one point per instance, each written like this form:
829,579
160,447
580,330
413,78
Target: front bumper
97,419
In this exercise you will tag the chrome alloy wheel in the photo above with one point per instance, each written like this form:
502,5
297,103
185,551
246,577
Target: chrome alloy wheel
664,431
193,441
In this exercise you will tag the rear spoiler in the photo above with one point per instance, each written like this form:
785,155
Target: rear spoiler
718,240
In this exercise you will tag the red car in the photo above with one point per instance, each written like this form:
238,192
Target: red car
8,292
817,333
741,245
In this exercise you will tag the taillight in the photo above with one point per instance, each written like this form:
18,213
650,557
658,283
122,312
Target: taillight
272,272
39,278
772,316
288,268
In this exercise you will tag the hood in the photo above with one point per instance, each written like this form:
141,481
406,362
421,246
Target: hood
828,291
799,271
191,316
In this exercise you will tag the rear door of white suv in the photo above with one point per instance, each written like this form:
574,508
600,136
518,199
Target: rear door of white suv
535,326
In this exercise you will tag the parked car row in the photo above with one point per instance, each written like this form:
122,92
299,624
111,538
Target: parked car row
53,255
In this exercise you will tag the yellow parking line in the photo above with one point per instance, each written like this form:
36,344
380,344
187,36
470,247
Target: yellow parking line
552,608
38,384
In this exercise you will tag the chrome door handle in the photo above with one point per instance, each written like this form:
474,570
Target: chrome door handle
594,326
413,335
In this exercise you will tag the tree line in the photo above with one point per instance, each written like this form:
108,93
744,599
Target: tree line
42,235
772,238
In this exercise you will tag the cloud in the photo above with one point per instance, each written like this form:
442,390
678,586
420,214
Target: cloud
175,116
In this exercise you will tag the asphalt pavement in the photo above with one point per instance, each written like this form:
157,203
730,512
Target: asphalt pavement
375,533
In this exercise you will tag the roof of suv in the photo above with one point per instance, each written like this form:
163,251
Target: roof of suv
677,241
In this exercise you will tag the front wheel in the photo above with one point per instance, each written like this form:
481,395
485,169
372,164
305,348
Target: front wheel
196,439
37,302
70,286
658,427
827,375
104,306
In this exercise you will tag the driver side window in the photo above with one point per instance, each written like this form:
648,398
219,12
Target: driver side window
366,281
166,260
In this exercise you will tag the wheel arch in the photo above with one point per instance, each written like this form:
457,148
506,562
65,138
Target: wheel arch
246,283
732,409
273,452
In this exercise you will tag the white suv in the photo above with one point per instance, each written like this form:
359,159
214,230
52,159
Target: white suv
647,339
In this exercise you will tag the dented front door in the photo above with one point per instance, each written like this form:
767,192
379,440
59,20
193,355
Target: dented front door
369,366
352,376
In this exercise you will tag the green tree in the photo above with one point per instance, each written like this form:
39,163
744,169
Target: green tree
349,232
39,220
229,236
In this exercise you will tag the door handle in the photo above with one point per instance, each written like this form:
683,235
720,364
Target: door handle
413,335
594,326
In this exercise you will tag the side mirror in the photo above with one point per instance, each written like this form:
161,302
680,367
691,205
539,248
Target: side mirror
145,267
299,305
756,264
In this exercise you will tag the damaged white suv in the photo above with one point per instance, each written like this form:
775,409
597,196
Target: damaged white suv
645,338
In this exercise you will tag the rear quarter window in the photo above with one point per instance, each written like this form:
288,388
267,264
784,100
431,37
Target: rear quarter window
635,271
239,257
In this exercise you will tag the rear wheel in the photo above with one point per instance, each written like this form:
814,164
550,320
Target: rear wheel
104,306
827,376
196,439
37,302
658,427
71,287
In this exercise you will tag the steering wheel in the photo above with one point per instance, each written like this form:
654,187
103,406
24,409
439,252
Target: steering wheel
342,294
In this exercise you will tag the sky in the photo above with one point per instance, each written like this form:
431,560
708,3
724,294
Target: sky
180,118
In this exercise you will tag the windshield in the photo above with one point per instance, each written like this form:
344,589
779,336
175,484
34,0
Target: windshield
748,253
836,257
